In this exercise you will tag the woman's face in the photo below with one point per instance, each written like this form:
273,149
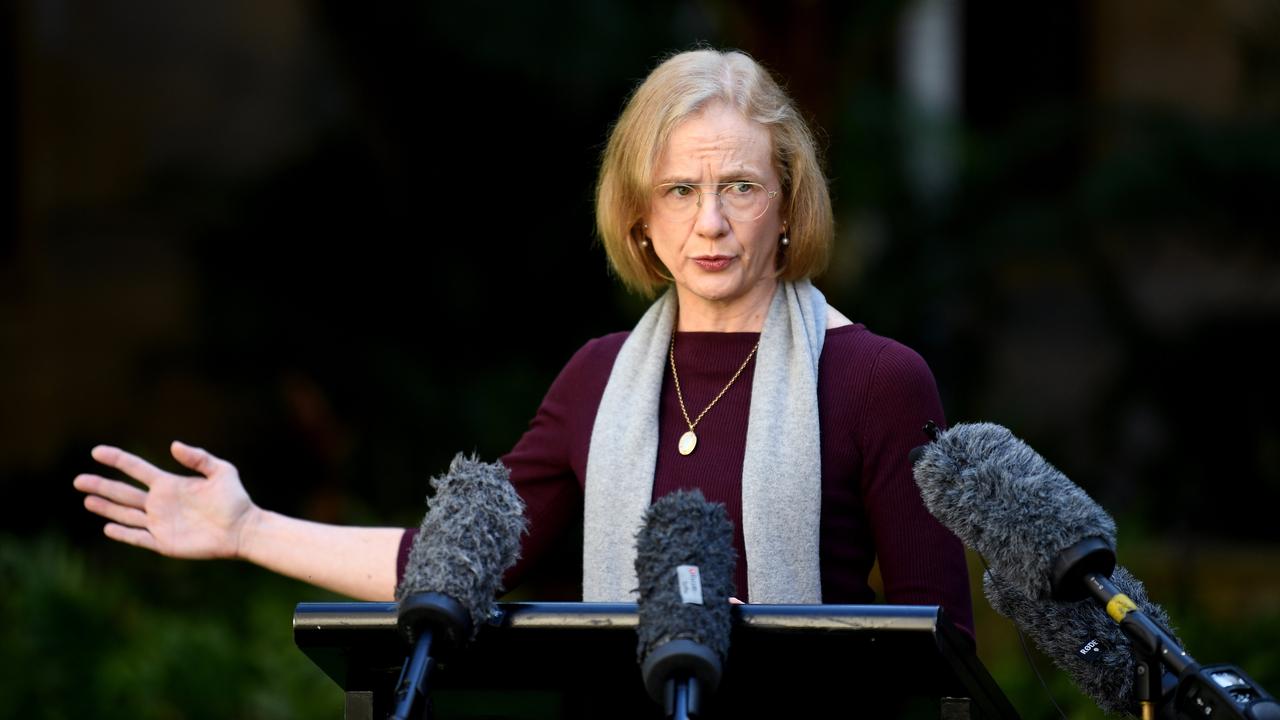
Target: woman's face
718,263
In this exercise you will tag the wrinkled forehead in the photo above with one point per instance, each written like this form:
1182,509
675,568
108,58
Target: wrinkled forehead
718,139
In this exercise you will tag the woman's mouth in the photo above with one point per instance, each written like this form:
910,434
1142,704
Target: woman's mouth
713,263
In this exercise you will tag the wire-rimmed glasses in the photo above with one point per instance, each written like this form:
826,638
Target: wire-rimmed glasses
742,200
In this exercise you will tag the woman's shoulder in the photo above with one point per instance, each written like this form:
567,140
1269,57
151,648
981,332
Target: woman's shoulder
601,350
855,349
580,383
864,375
594,359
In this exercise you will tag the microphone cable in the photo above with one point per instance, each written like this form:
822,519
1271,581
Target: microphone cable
1026,653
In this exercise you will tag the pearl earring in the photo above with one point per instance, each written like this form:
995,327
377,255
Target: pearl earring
644,243
785,241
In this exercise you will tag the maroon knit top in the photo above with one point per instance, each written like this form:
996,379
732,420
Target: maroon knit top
874,396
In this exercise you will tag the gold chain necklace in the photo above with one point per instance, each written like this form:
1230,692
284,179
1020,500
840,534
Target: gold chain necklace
689,440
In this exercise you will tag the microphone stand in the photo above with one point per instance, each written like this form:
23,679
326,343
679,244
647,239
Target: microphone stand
425,618
411,688
1211,692
1148,684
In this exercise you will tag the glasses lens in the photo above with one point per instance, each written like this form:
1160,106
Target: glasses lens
677,202
744,200
741,201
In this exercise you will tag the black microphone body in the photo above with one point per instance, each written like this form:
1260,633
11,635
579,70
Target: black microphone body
684,614
468,539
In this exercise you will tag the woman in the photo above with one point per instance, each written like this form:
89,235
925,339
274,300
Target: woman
739,380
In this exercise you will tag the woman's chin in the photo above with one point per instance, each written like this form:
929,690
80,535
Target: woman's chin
714,292
720,290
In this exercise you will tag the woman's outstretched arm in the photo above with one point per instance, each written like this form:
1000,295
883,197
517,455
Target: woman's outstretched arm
209,515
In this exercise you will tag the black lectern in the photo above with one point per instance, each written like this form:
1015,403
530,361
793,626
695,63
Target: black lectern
578,660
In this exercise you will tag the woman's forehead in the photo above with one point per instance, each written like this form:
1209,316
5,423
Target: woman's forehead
718,138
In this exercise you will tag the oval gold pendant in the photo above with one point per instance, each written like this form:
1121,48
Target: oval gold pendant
688,442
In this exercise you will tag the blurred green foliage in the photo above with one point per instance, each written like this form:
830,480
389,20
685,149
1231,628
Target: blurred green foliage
129,635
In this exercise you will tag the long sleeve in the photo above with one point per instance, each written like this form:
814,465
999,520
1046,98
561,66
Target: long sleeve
921,562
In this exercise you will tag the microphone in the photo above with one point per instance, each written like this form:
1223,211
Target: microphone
684,563
1049,546
1081,639
1010,505
469,537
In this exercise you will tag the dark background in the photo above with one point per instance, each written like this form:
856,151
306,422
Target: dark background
338,244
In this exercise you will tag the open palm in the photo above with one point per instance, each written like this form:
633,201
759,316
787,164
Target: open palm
196,517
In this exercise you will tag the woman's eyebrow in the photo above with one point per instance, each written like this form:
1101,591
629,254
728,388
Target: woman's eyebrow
730,175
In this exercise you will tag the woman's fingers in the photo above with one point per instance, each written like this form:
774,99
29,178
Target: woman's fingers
130,535
113,490
178,515
198,459
127,463
127,516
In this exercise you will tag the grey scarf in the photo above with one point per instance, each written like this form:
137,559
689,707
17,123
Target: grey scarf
781,470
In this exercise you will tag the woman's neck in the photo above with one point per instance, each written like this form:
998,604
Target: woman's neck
742,314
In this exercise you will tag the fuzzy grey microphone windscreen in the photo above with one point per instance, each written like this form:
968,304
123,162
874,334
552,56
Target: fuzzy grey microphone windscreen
470,535
1007,503
1079,636
683,528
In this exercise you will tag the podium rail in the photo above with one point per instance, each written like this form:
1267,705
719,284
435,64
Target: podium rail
578,660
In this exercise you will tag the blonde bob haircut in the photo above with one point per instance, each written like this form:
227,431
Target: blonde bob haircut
678,88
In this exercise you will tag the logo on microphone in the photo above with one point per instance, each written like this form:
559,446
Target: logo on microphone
690,584
1091,647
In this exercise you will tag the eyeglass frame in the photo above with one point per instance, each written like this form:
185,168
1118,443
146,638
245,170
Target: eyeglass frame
698,186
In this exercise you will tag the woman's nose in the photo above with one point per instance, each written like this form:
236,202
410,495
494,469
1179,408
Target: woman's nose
710,220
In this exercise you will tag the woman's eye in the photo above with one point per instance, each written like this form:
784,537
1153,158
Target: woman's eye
742,188
680,191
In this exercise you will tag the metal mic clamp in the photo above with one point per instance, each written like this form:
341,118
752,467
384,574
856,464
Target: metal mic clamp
1223,691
